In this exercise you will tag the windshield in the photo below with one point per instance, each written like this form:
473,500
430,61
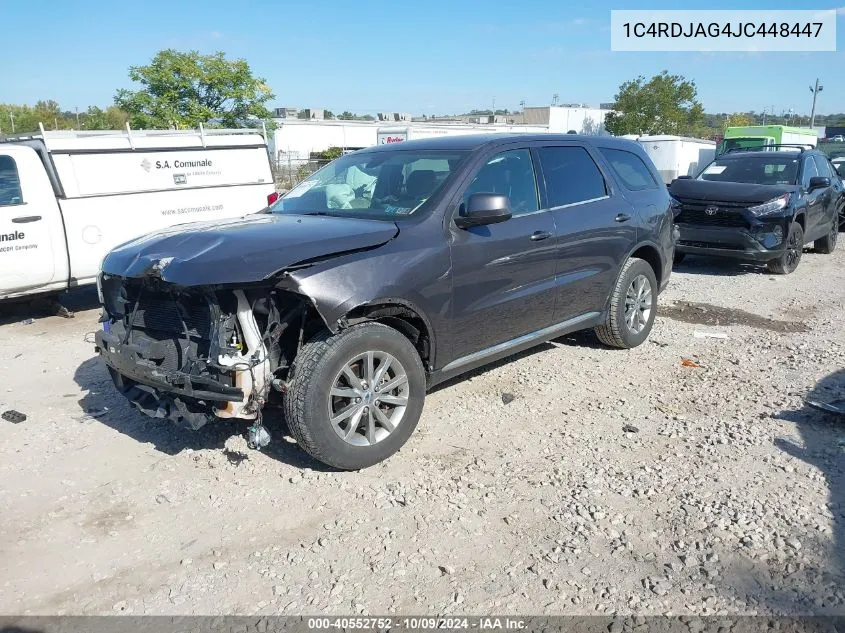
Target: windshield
768,169
375,185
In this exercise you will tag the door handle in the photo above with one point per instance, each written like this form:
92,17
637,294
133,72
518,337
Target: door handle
536,236
622,217
26,218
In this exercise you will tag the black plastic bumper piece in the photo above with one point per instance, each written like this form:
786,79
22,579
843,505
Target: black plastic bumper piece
759,244
152,402
136,362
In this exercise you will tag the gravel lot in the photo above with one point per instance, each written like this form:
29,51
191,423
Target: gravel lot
610,482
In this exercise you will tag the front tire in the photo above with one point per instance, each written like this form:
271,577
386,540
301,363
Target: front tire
791,256
827,244
633,306
354,398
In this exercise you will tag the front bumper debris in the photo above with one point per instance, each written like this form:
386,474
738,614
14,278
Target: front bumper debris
760,242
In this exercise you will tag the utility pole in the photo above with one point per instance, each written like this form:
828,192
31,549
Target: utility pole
77,118
12,119
522,105
554,98
815,92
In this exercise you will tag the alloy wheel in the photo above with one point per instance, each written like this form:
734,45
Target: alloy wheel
368,398
793,253
638,300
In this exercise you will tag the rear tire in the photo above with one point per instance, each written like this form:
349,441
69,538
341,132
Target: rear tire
633,306
334,405
827,244
791,257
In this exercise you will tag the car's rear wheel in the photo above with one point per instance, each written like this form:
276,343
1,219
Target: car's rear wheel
791,256
827,244
354,398
633,306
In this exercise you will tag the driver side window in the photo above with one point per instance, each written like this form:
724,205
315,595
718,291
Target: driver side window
509,173
10,183
810,171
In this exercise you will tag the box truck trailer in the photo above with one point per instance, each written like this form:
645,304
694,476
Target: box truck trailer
677,155
67,198
762,136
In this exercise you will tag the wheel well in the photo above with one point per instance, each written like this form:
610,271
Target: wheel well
401,318
652,256
802,221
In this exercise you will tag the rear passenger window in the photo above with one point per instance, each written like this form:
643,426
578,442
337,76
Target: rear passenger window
571,175
630,169
10,183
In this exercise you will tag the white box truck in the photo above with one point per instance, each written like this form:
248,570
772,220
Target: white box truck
68,198
677,155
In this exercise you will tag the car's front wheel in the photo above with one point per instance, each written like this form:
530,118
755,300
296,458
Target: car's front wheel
633,306
827,244
791,257
355,397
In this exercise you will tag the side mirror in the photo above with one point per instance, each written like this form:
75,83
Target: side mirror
482,209
818,182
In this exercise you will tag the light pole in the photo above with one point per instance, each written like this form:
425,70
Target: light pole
12,119
815,92
77,118
554,98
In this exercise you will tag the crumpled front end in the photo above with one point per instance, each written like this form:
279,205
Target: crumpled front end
195,354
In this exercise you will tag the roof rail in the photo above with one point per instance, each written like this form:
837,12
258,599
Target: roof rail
765,148
128,132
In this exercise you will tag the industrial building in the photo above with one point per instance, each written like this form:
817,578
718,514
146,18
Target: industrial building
299,139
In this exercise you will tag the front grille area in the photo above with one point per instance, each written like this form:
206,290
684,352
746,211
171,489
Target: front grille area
720,218
720,245
728,214
167,316
180,325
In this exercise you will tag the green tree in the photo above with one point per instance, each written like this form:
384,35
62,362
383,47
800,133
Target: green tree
184,89
665,104
739,119
346,115
329,154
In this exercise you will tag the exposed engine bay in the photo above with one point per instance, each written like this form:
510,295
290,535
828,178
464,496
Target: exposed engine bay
192,354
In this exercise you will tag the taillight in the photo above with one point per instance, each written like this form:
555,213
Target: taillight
272,198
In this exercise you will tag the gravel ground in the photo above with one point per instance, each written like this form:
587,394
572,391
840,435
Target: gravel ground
570,480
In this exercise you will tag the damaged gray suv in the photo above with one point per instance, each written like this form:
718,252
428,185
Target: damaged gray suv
386,272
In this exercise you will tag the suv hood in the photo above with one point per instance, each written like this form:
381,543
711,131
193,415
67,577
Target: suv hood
710,191
243,250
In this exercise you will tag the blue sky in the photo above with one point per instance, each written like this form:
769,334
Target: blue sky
437,56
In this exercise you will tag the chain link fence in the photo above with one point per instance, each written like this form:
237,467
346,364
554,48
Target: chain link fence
289,170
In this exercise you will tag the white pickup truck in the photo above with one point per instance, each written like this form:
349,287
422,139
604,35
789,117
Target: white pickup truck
68,198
